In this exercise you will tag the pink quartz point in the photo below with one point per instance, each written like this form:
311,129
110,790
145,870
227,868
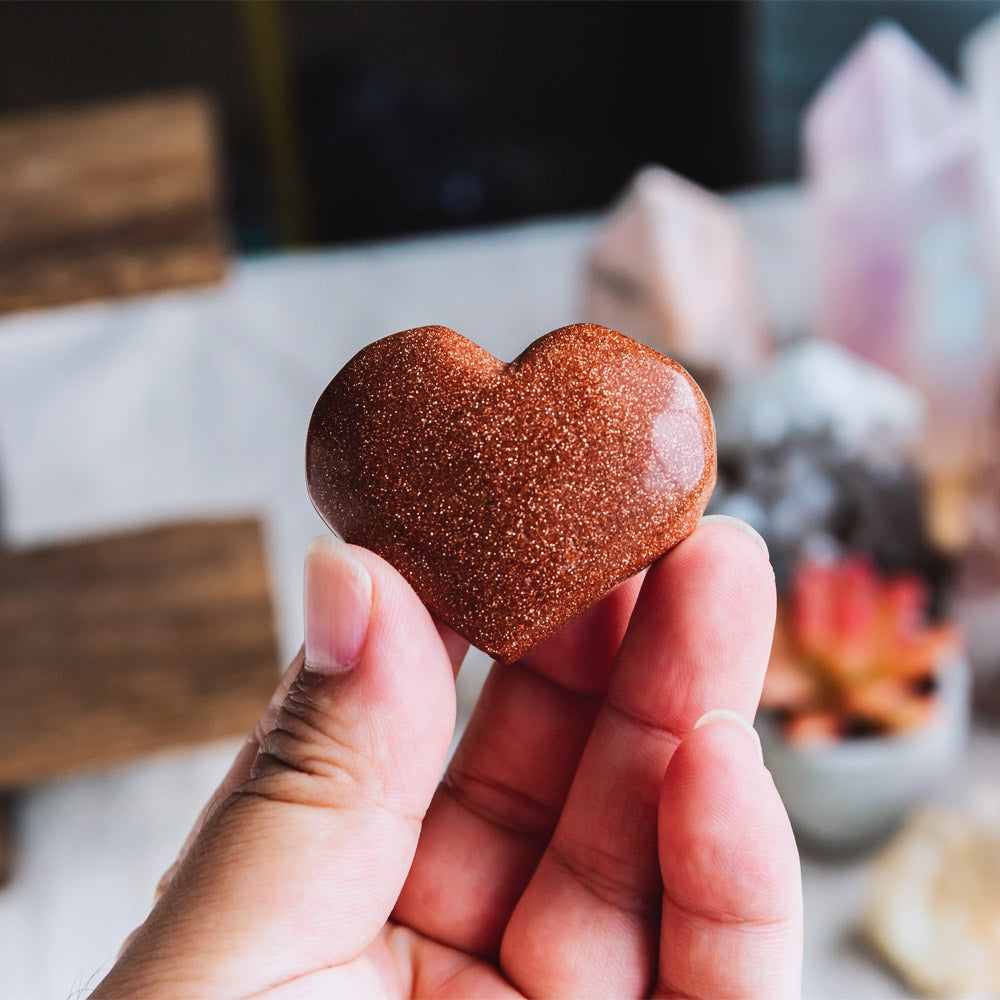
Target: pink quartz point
672,265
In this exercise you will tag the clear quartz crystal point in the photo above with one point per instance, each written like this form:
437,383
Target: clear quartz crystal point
890,152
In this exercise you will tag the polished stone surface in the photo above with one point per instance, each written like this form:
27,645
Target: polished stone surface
512,496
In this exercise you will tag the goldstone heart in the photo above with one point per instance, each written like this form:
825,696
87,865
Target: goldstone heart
511,496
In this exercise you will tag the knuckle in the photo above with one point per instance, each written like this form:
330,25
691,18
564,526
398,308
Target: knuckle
306,756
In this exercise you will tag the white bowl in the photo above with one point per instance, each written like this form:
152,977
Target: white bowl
849,795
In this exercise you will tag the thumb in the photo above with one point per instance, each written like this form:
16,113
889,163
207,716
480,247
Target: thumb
300,866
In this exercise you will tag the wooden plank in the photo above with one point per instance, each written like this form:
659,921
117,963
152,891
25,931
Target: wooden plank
122,645
7,848
108,200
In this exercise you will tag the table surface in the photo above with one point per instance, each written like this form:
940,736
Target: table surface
196,403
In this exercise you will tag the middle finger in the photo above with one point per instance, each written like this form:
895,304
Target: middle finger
493,814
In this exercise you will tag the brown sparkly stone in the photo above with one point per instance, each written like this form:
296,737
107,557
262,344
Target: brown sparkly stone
511,496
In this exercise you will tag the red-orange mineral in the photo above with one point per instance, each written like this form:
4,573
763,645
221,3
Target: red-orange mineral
511,496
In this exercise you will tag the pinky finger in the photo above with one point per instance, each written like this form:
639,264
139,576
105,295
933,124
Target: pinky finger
732,903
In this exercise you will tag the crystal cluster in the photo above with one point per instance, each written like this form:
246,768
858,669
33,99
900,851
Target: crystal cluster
892,166
933,908
812,454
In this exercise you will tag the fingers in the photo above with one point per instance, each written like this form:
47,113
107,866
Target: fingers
587,923
505,787
732,903
298,868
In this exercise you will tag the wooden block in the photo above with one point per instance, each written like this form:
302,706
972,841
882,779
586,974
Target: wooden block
7,848
109,200
119,646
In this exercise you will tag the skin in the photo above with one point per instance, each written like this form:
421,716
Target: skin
587,839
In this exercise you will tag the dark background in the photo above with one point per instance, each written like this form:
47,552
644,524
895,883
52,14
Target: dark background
355,120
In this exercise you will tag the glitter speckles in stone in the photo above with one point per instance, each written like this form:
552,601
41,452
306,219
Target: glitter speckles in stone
511,496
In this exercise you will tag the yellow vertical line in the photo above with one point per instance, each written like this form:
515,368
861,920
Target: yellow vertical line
265,37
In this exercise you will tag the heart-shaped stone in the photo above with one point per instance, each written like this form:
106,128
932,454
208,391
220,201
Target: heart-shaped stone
511,496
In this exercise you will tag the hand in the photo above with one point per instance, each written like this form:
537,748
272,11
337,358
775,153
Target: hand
588,838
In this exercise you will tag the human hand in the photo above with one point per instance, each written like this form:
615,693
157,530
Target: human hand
587,839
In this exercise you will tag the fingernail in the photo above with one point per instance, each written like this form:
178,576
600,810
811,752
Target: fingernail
726,716
338,603
735,522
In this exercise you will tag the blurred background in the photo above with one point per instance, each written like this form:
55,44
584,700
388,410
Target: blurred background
459,114
207,208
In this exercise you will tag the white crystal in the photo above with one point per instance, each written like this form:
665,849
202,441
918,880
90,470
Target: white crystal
671,266
816,387
934,904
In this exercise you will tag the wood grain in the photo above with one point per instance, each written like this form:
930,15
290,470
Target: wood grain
123,645
108,200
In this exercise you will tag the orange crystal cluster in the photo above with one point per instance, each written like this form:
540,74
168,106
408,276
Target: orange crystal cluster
854,654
